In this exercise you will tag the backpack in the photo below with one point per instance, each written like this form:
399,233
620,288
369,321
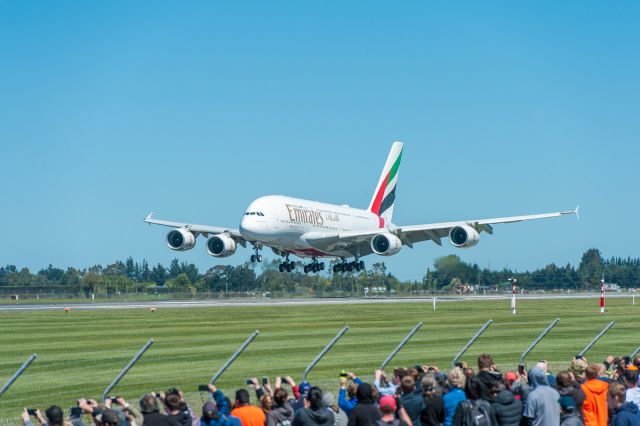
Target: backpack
475,413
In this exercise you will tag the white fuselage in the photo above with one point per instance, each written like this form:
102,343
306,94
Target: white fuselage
281,222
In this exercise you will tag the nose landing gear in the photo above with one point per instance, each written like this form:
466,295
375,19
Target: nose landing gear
256,257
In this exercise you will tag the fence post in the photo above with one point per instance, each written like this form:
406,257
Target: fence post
636,352
470,342
18,373
538,339
126,369
595,339
324,352
233,357
404,341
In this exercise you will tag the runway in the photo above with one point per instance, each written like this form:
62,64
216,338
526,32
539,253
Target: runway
261,302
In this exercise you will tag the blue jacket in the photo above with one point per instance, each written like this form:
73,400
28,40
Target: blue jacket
222,420
451,400
347,404
627,415
221,403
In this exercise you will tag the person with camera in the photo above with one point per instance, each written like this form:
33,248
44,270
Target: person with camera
151,413
347,399
314,413
433,412
366,413
54,416
412,400
281,413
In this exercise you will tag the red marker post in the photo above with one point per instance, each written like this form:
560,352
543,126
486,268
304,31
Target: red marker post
602,296
513,295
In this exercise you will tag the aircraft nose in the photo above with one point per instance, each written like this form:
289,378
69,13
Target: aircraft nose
251,228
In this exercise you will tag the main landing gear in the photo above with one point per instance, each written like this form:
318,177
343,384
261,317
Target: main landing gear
256,257
287,265
314,266
344,266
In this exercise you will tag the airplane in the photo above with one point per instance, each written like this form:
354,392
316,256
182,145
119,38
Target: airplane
309,229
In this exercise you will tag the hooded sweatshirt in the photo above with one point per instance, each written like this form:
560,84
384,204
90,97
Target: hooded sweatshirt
280,415
313,417
506,410
366,413
542,403
594,408
627,415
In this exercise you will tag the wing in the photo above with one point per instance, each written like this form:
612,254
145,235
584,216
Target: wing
198,229
359,241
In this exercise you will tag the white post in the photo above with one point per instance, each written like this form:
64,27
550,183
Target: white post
513,296
633,301
434,303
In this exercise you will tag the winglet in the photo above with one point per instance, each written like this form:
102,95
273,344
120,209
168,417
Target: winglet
577,212
148,218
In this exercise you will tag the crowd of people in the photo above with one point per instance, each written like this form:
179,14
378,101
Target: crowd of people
598,394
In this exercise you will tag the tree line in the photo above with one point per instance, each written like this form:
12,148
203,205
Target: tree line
449,274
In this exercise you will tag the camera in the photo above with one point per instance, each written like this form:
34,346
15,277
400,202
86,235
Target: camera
248,382
343,374
156,394
114,399
265,381
521,369
203,388
32,411
76,411
284,380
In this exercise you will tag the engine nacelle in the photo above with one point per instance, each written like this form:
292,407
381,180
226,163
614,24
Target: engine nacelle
463,236
221,246
181,239
386,244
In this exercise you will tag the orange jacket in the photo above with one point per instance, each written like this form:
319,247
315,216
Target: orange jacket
249,415
594,407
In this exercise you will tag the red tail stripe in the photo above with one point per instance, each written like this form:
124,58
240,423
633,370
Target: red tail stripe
375,208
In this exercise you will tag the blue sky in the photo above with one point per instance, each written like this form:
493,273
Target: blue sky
110,110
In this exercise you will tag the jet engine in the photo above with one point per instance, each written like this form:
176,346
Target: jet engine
181,239
386,244
463,236
221,246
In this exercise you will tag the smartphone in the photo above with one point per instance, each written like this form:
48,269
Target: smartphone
249,382
265,381
32,411
76,411
284,380
203,388
521,369
114,399
343,374
156,394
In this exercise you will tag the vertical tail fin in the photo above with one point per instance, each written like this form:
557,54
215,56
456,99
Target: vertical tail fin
385,193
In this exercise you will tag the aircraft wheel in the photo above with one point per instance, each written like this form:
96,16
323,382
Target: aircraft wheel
349,267
281,267
361,264
259,258
335,269
306,269
322,266
253,258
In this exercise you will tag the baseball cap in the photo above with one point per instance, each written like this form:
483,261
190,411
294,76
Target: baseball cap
388,403
304,387
567,402
510,376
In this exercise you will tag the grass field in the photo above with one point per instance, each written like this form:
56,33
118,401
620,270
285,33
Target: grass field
80,353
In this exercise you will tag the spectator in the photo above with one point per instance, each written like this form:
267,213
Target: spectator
412,402
151,414
625,413
366,413
631,381
107,417
329,401
212,416
506,410
177,409
541,406
475,410
266,403
384,386
347,399
281,413
388,407
578,368
569,412
54,417
489,377
455,395
594,408
248,414
313,413
433,412
566,386
544,366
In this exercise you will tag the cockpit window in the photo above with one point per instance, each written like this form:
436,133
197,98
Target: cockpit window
254,214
